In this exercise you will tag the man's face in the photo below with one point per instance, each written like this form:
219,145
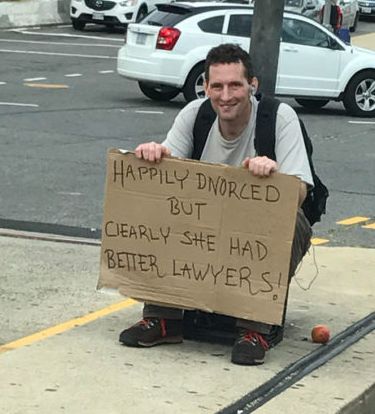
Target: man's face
229,91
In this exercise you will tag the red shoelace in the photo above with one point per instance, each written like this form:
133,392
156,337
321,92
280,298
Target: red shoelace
149,323
251,336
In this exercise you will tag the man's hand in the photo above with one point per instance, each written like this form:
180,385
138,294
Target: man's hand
151,151
260,166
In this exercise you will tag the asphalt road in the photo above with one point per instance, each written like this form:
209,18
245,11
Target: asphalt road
62,106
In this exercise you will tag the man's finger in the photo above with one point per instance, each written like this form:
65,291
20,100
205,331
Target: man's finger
151,151
158,153
138,151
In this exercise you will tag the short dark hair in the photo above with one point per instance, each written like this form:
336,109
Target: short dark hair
228,53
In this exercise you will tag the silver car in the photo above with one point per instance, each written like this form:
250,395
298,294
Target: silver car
309,8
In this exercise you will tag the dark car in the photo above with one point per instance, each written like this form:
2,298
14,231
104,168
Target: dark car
366,7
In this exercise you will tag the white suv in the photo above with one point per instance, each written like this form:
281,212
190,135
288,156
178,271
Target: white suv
165,53
109,12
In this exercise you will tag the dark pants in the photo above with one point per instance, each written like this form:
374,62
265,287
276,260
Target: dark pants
301,243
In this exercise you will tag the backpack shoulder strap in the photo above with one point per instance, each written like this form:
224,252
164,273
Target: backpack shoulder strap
265,127
202,125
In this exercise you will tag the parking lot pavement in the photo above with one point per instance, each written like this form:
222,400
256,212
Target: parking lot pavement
74,364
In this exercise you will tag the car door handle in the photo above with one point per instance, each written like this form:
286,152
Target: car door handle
290,49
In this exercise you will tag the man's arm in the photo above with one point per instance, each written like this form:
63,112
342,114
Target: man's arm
179,140
302,193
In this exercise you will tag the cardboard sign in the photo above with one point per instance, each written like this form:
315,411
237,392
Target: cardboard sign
197,235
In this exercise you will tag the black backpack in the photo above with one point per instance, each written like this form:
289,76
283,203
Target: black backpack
315,203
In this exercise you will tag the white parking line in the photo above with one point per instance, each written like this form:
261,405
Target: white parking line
33,79
18,104
69,193
362,122
150,112
57,54
73,75
106,71
40,42
2,83
67,35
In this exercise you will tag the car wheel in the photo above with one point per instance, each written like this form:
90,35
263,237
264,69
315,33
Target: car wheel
158,93
78,25
141,14
359,96
354,27
312,103
194,85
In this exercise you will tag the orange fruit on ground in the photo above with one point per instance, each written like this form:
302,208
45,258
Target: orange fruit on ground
320,334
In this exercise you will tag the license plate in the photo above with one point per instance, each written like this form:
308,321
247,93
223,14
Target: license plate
141,39
98,16
366,10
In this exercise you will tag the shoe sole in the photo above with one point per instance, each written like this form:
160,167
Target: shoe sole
245,361
161,341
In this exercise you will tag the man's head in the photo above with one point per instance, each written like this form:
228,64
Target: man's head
229,81
228,53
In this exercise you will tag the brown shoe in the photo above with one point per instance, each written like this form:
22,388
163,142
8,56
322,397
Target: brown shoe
249,349
151,332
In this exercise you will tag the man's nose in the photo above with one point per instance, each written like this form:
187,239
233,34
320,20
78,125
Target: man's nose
225,93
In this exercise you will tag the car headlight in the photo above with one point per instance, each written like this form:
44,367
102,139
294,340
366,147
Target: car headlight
126,3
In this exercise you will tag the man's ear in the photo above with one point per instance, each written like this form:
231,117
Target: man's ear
254,83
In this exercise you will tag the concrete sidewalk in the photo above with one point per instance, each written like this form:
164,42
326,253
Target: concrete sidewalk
366,41
85,370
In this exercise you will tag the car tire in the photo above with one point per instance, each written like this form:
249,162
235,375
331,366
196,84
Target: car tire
78,24
194,85
312,103
354,27
158,93
358,98
141,14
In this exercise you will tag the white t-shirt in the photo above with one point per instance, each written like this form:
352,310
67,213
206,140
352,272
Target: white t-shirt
290,148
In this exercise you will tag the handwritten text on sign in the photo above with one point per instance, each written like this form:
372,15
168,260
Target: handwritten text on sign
198,235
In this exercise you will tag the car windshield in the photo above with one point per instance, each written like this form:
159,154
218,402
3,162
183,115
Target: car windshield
293,3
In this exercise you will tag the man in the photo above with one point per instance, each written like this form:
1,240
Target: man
336,17
230,84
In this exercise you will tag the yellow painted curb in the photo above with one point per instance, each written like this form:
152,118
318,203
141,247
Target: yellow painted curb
65,326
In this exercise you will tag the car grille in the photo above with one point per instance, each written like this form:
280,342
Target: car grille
100,4
87,18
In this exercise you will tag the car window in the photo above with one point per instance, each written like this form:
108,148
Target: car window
212,25
303,33
240,25
162,18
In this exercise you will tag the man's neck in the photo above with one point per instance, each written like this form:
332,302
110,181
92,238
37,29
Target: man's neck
231,130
